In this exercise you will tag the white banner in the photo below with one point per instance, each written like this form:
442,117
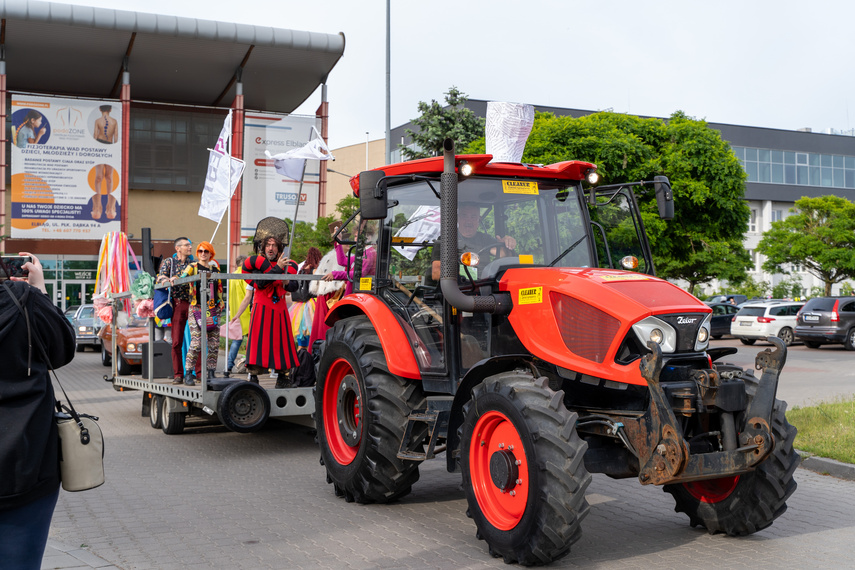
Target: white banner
66,167
218,191
265,192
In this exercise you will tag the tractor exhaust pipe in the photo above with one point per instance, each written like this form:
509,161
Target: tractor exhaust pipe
448,251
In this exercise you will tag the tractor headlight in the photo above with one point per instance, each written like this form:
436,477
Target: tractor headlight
592,177
658,331
703,339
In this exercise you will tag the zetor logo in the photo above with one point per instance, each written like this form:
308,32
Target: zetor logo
686,320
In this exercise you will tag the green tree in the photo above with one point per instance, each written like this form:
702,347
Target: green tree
704,240
819,236
317,235
436,123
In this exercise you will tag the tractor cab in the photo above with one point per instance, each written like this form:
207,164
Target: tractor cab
508,216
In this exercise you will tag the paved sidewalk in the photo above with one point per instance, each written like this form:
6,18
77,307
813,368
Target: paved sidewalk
60,556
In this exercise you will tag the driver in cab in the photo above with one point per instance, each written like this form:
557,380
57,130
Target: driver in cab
472,240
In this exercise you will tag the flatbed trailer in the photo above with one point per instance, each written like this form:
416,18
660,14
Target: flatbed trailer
240,405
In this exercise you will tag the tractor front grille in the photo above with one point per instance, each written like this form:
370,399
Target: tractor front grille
586,330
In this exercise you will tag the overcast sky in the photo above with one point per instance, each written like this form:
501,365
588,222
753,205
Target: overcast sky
779,64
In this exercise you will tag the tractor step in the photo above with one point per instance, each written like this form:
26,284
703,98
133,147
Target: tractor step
432,418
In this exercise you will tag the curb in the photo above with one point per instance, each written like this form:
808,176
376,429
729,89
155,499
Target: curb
825,466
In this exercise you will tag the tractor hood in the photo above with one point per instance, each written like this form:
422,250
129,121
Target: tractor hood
581,319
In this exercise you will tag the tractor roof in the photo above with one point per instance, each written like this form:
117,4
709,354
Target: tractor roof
481,166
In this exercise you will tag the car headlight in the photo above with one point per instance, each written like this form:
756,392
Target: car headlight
131,347
703,339
658,331
84,329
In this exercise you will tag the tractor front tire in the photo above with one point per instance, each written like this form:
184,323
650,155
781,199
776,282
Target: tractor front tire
361,414
523,468
743,505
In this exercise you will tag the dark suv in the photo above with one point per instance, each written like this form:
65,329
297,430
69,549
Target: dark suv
827,320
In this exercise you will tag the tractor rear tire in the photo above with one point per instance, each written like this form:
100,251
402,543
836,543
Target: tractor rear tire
743,505
361,414
523,468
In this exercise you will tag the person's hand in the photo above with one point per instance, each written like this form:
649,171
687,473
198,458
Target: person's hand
509,241
328,276
42,131
282,261
35,273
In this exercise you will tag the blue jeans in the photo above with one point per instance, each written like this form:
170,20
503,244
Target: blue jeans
234,347
24,533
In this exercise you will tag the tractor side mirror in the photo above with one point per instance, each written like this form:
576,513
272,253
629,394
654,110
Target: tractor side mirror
664,197
372,195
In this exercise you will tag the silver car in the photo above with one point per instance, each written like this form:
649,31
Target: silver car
86,326
757,321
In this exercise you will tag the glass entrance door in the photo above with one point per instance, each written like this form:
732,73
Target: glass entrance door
77,293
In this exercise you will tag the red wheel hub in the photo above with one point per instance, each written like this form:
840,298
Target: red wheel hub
499,470
342,404
713,490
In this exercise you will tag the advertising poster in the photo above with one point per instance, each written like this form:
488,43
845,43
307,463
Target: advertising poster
66,163
266,193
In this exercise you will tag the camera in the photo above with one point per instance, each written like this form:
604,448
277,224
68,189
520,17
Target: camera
14,264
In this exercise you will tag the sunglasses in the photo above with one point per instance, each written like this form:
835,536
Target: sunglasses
202,251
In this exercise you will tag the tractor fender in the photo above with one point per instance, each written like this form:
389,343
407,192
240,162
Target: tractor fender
474,376
401,362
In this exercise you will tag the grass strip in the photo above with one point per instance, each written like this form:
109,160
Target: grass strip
827,429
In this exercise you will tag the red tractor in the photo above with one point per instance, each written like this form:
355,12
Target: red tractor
508,315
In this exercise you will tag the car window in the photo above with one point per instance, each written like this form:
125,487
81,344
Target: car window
87,313
820,304
752,311
69,312
718,310
732,310
849,307
793,310
778,311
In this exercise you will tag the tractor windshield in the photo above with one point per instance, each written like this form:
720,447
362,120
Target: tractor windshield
540,220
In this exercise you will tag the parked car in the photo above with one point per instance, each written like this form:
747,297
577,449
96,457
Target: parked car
756,321
731,298
722,313
86,326
131,334
827,320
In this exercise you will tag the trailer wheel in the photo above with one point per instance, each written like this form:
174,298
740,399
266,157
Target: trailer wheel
155,410
523,468
361,413
105,356
243,407
738,506
172,423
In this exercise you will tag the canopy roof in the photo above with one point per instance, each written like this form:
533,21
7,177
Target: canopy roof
79,50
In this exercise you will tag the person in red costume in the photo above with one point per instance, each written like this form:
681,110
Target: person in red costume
270,343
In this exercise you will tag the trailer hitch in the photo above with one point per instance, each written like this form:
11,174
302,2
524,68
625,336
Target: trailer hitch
663,453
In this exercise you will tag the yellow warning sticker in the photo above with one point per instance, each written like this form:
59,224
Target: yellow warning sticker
519,187
531,296
365,284
527,259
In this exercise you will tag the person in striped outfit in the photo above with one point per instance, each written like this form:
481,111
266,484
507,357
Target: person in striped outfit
270,343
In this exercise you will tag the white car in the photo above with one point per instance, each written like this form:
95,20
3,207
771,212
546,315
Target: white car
757,321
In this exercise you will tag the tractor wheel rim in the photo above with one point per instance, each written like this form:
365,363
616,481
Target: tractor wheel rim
342,412
499,470
713,490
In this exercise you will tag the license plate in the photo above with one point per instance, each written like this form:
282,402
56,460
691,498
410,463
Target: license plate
811,318
745,323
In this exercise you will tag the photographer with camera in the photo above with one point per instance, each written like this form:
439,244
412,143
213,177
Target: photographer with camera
29,444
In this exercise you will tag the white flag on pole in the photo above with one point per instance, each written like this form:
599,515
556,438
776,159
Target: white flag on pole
291,163
221,180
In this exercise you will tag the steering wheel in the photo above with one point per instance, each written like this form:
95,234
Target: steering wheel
500,245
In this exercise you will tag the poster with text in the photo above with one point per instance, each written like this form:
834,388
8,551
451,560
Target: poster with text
66,164
266,193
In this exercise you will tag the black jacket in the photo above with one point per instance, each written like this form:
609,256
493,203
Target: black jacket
29,454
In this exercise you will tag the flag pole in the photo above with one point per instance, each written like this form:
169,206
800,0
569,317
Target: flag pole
296,209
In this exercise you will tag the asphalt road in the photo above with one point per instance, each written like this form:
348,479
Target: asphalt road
210,498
